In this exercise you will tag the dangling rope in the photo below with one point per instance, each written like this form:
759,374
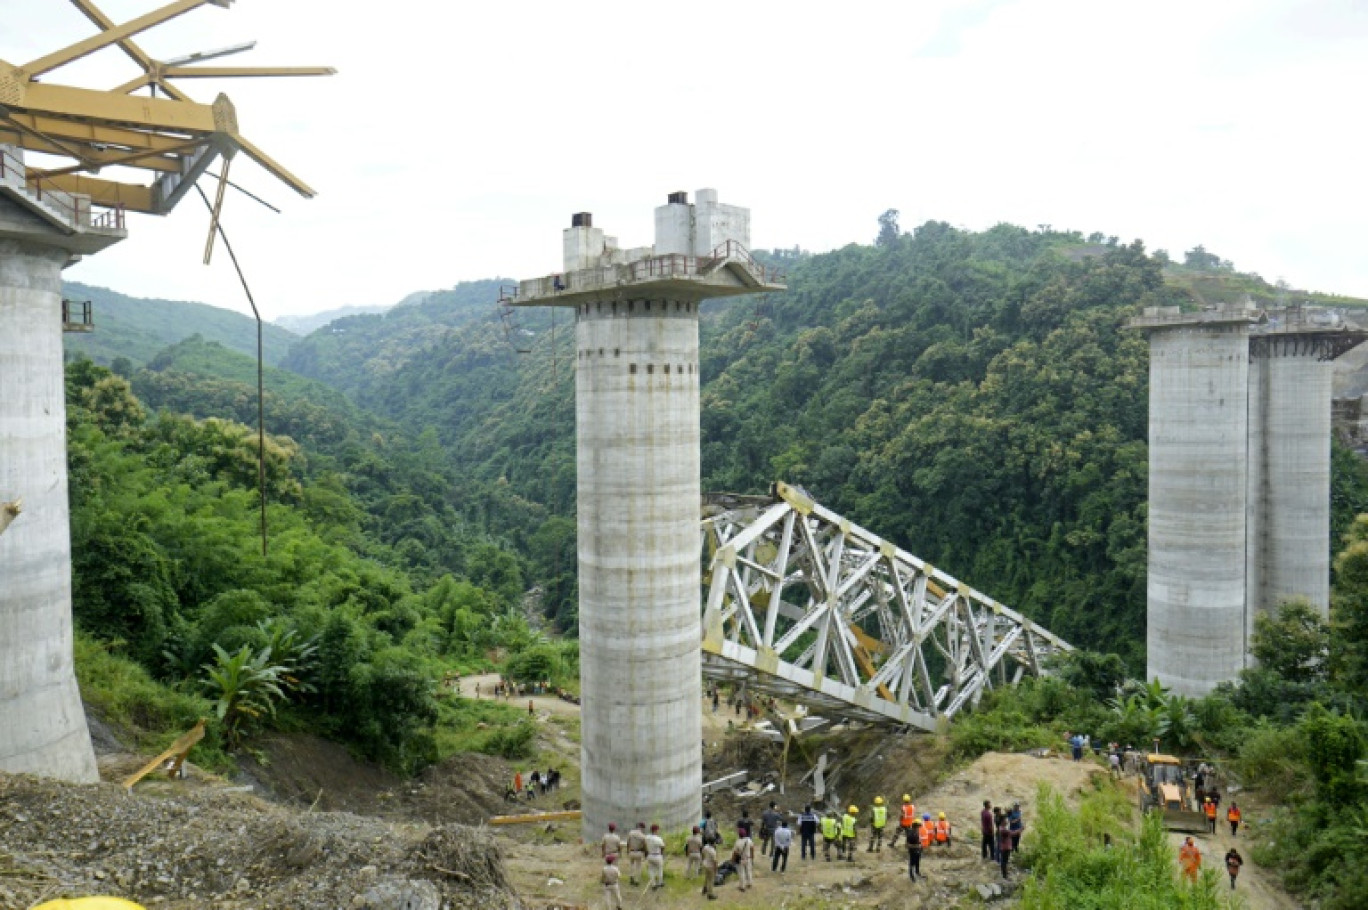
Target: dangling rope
261,381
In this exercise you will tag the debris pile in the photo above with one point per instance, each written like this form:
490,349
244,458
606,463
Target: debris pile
227,850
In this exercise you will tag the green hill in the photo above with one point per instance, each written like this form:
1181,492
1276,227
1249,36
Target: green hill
971,396
137,328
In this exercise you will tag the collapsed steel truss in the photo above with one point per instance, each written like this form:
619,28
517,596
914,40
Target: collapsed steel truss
804,604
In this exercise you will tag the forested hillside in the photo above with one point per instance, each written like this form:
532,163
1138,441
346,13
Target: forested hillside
137,328
373,586
971,396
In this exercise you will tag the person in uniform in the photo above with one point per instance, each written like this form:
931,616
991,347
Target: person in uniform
693,849
611,844
878,819
655,857
744,857
612,890
709,871
636,851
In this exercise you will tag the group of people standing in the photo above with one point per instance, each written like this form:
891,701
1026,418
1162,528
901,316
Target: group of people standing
534,785
705,850
1001,830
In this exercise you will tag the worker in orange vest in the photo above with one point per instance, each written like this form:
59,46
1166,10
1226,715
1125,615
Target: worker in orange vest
942,830
928,831
1190,858
1233,816
1210,809
907,817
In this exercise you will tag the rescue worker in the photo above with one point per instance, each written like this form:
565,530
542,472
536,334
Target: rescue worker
693,849
1209,809
878,819
612,844
848,833
710,833
709,870
783,840
769,821
1233,861
914,850
942,830
928,832
744,857
1190,858
611,876
1233,816
907,817
807,833
831,834
988,848
636,851
655,857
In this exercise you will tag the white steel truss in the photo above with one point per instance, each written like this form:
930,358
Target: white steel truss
804,604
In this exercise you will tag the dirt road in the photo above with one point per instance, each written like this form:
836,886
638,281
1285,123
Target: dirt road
482,686
1256,885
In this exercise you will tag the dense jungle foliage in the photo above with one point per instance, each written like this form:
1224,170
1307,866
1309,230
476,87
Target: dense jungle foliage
971,396
372,589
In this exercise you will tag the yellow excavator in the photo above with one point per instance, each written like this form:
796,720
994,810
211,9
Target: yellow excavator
1163,787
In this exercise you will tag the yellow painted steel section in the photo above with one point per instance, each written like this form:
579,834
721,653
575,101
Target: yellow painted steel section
569,815
166,114
106,192
269,163
100,134
113,35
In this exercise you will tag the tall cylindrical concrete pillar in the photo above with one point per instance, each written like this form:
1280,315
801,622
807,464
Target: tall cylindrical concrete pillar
1289,548
639,562
1197,484
42,723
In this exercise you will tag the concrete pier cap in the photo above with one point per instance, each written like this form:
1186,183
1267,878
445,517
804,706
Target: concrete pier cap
638,497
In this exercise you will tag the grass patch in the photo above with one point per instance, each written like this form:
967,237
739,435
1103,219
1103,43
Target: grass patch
483,725
151,714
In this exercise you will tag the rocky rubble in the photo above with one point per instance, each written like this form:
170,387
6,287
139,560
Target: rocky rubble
201,848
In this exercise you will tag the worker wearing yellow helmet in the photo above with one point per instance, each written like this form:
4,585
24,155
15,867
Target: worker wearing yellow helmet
942,830
847,847
90,903
906,817
878,818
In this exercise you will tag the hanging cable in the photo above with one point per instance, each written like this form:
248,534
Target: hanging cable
261,381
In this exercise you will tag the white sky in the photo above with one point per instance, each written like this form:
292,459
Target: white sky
458,137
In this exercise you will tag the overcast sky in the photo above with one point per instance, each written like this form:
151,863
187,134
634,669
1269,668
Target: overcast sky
458,137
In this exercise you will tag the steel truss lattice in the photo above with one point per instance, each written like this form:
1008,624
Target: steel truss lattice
806,605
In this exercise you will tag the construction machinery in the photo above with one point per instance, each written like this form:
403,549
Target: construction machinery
1164,787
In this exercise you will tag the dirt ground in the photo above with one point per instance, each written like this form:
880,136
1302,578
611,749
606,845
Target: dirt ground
337,833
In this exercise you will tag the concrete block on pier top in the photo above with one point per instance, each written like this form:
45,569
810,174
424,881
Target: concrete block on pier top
699,229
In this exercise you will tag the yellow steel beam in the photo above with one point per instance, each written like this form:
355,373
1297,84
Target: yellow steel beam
178,750
104,23
261,158
567,816
100,134
145,158
112,36
216,211
107,192
64,148
221,72
123,110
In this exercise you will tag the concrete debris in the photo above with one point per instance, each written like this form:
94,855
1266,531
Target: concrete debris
233,852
